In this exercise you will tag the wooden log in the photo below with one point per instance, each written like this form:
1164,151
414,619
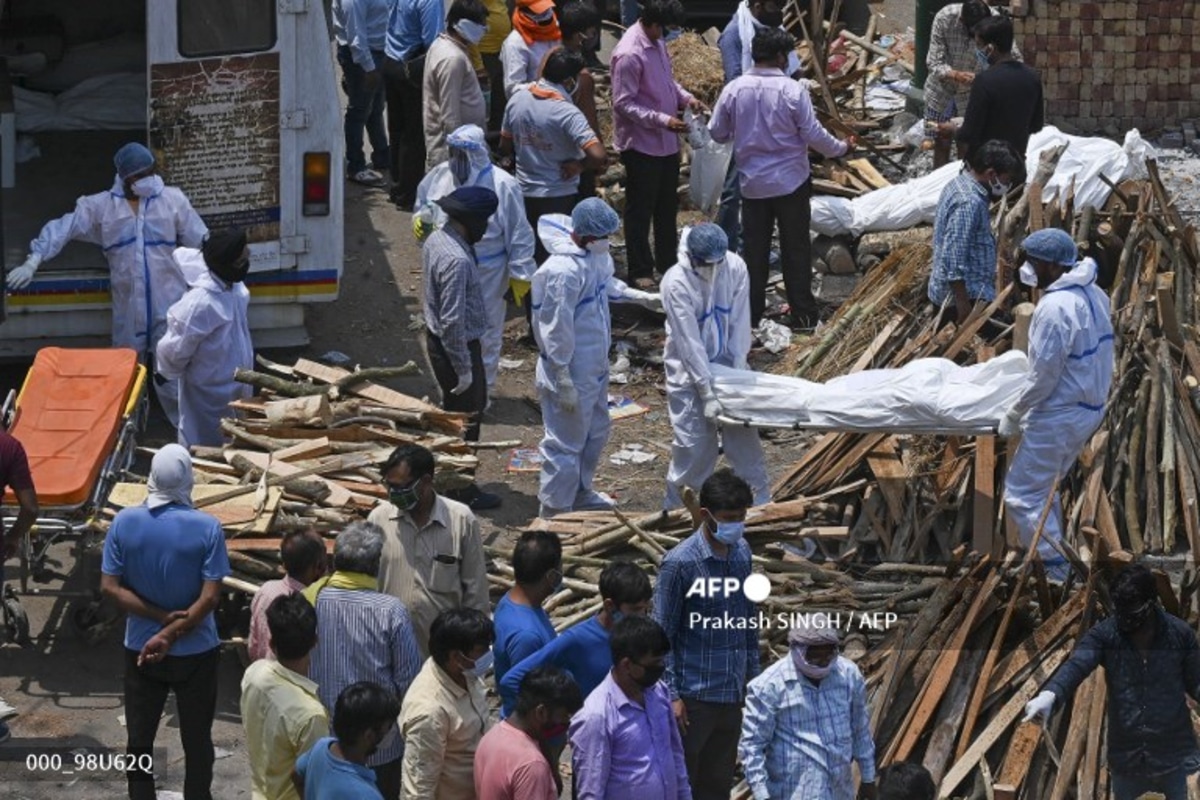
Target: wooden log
279,386
308,411
1153,533
311,448
1168,447
1077,736
1090,764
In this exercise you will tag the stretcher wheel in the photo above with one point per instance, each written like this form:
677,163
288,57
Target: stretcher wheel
16,621
92,621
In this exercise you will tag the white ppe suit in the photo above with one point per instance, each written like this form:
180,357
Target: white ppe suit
571,324
144,279
207,339
707,322
1070,373
505,251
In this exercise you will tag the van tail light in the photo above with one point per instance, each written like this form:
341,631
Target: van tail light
317,174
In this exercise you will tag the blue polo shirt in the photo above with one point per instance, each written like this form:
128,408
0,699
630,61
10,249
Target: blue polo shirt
520,632
327,777
165,555
581,650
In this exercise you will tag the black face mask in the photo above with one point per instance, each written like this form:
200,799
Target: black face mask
650,675
234,273
475,228
772,19
1133,620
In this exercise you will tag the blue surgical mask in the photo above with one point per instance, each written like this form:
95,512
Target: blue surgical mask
982,57
470,30
730,533
673,34
617,616
481,665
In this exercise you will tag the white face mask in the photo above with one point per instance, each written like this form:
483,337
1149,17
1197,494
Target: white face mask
470,30
597,247
998,188
1027,274
148,186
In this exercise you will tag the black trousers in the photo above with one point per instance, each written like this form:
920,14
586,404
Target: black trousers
474,399
495,73
536,208
651,200
793,212
193,679
710,747
406,130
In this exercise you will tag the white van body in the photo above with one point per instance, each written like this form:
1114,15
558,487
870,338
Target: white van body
236,97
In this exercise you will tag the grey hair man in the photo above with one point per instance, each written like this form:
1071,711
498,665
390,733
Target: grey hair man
365,636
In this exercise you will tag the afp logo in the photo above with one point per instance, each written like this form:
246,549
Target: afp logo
756,587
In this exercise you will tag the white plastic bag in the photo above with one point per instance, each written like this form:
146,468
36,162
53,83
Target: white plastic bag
709,166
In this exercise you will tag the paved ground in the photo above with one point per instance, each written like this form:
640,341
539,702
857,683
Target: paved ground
69,689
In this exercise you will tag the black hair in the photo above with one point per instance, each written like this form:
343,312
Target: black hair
473,10
1132,586
996,30
624,583
223,249
300,551
550,687
292,621
419,460
536,553
973,12
577,17
1001,156
362,707
725,491
461,629
905,780
562,65
637,637
663,12
770,43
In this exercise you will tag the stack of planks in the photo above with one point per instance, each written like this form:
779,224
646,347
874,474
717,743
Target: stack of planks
305,453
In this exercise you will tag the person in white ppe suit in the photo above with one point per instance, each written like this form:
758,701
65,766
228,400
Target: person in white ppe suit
208,336
1062,402
505,254
573,330
706,296
137,223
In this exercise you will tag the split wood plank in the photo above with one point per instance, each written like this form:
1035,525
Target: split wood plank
983,505
866,170
1000,723
890,475
1087,784
1165,295
251,543
339,497
1009,667
309,448
1077,735
1018,756
234,512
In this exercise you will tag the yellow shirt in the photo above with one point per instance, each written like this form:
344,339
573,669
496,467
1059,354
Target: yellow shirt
499,24
441,724
439,567
283,719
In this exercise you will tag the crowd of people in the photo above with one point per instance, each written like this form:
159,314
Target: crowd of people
371,669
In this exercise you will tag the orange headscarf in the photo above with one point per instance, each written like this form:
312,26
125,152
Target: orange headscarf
530,31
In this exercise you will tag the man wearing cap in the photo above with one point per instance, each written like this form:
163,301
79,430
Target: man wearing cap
455,314
806,719
137,223
707,299
208,336
1062,402
535,33
505,253
573,331
163,566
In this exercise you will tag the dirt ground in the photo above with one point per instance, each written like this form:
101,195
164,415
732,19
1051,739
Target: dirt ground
69,690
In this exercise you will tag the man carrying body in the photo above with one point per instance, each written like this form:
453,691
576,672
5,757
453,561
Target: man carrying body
137,223
707,299
964,250
1062,401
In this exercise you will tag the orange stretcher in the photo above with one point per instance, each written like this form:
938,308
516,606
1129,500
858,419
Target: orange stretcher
77,415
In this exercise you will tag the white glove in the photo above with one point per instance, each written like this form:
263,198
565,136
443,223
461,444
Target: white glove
1040,706
20,277
712,406
567,396
1011,424
463,385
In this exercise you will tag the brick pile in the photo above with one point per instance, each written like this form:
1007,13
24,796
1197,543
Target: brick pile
1127,63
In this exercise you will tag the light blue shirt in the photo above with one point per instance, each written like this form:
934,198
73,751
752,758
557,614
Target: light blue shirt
362,26
412,27
546,129
799,736
165,556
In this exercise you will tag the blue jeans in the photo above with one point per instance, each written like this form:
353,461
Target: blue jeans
629,12
729,215
1131,787
364,109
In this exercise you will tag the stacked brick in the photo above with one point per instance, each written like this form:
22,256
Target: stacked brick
1115,63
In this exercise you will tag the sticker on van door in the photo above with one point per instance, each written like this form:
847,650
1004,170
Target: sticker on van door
214,126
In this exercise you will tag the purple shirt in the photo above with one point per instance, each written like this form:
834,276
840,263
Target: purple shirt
625,751
645,95
771,121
